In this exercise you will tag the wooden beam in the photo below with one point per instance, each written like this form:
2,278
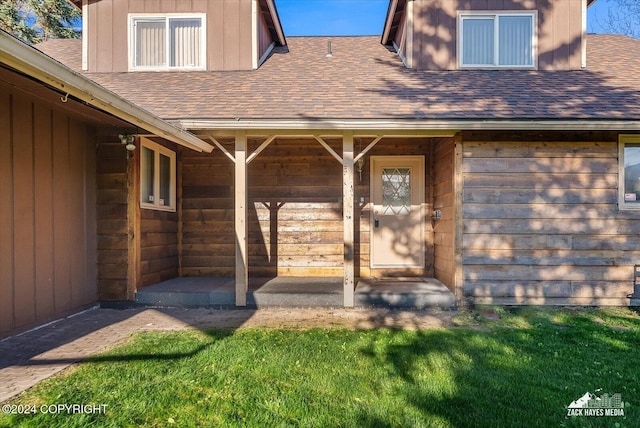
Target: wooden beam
133,221
458,219
329,149
221,147
261,148
241,201
369,147
323,133
348,222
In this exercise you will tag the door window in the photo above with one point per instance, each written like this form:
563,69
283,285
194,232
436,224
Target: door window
396,191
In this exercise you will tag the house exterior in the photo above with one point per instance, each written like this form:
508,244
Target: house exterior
490,144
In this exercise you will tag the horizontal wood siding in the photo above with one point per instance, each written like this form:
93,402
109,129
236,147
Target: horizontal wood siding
443,200
559,31
158,246
47,217
295,210
113,236
229,44
541,224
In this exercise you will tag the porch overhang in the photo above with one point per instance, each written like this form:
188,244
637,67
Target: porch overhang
398,127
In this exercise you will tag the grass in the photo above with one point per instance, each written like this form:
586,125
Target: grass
521,370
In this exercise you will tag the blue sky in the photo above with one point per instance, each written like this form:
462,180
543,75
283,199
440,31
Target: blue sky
355,17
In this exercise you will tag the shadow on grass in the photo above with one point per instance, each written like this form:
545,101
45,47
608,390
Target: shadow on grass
512,376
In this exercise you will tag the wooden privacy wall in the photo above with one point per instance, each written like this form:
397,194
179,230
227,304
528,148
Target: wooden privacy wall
541,223
47,215
443,200
295,210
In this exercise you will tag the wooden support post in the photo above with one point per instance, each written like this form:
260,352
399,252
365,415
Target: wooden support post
241,201
458,220
133,222
348,221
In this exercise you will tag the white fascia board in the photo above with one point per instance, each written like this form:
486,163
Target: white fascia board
446,126
276,22
387,24
41,67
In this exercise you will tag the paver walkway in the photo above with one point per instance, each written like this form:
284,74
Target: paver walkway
28,358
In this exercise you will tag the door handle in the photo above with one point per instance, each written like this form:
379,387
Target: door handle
376,223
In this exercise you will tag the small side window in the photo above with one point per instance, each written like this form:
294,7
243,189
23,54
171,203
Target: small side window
157,177
629,172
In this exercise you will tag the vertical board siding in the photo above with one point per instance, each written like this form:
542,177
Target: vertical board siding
47,216
295,210
264,36
7,289
44,195
23,211
443,200
559,31
541,223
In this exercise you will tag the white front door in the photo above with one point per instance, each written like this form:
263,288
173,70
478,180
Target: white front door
397,219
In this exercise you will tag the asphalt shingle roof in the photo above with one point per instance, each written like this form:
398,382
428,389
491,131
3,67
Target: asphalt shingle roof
365,80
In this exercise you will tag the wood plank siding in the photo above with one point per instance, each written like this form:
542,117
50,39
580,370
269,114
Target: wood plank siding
444,201
113,228
295,210
228,28
434,41
48,212
541,223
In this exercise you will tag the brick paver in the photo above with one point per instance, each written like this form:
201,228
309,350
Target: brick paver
28,358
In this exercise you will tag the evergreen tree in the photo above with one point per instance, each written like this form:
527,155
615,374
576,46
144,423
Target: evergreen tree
623,17
34,21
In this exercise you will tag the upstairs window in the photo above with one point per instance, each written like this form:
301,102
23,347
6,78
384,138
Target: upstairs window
497,39
157,177
167,42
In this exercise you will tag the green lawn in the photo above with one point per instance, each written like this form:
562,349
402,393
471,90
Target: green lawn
523,370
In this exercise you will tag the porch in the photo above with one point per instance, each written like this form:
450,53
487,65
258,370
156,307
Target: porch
310,224
418,293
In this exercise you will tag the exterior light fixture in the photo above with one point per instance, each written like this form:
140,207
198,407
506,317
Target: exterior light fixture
359,167
128,141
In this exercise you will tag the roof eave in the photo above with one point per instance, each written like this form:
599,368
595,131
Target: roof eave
43,68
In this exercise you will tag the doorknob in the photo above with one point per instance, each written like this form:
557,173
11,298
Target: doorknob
376,223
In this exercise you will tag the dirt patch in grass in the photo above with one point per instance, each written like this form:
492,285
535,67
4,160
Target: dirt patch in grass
353,319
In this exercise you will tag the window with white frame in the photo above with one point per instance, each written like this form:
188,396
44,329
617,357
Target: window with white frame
157,177
497,39
629,172
174,41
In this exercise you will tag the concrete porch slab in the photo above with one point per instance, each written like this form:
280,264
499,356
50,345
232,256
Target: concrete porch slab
418,293
187,291
299,292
